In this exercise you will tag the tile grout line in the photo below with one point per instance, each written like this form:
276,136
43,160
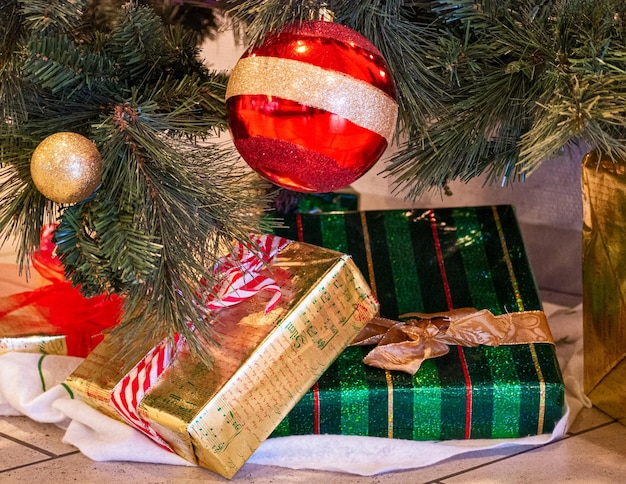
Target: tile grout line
53,457
26,444
599,426
441,480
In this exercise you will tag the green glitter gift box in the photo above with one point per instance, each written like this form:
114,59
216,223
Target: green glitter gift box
430,261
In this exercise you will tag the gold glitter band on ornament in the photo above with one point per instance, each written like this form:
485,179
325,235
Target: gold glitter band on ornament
356,100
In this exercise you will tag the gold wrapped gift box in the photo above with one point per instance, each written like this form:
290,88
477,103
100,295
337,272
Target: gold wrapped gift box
604,283
265,362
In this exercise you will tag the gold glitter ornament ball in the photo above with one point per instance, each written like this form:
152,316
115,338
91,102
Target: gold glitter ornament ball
66,167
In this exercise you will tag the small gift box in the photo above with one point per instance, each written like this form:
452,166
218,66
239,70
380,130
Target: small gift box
269,355
497,375
54,318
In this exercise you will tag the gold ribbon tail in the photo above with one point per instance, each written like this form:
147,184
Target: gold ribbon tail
405,345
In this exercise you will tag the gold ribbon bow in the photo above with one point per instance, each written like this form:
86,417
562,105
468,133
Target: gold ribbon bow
404,345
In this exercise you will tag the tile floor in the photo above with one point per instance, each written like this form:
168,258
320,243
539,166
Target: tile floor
593,451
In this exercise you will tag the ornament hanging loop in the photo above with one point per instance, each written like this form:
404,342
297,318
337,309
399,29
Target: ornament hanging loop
320,12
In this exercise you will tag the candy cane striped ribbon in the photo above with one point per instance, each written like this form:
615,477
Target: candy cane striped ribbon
240,278
129,392
241,281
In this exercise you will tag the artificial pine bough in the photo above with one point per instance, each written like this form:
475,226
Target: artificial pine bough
490,87
166,205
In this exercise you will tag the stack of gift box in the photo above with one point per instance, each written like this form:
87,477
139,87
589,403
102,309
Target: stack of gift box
453,279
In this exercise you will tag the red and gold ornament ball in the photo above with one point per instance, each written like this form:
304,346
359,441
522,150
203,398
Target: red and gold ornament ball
313,107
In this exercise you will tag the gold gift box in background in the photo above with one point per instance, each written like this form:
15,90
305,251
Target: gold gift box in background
45,344
604,283
265,362
24,329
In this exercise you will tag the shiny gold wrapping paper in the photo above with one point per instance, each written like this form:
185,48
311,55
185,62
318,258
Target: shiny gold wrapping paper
264,364
25,331
46,344
604,283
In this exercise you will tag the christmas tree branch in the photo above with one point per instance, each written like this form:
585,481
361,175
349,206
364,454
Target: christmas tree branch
485,87
526,78
167,207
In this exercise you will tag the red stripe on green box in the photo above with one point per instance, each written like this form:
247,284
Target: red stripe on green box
504,403
434,226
